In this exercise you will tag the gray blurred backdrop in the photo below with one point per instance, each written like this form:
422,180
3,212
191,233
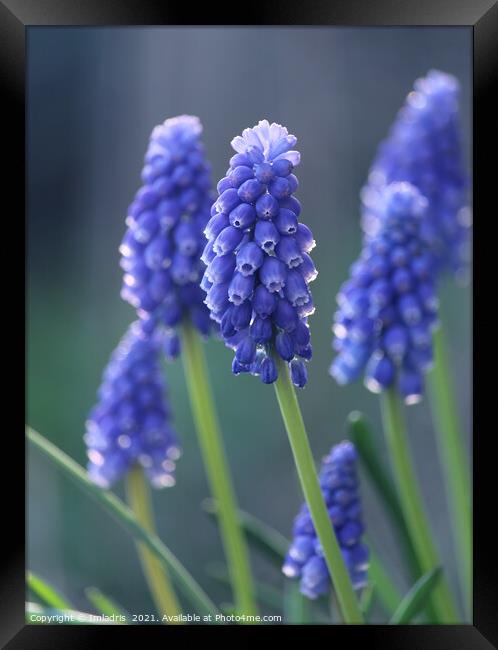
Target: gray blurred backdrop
94,94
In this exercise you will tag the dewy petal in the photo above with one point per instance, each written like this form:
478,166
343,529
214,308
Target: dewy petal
272,140
282,145
239,144
277,131
251,138
263,130
292,156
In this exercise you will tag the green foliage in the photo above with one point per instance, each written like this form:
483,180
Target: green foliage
265,594
273,546
296,606
192,591
264,538
416,598
45,592
360,432
104,604
37,615
385,590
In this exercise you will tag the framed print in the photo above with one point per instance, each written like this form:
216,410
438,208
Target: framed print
249,316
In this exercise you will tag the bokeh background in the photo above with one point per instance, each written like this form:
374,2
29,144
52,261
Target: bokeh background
94,94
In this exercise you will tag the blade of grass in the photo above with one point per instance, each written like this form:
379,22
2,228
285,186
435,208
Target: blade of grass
45,592
263,537
274,545
296,606
123,514
269,595
412,503
367,599
360,432
415,599
266,594
385,590
454,459
38,615
104,604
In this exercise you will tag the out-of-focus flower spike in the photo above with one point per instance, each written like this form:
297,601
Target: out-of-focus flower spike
162,250
424,148
387,312
304,559
131,423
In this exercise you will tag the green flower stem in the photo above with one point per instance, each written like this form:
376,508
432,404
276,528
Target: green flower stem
411,502
360,432
453,460
305,465
123,514
217,471
157,577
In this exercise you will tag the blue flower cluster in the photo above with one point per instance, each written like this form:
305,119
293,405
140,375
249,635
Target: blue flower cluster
424,148
162,246
305,560
388,307
131,422
257,257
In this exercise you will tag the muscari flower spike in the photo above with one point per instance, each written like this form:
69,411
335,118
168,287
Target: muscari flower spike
388,307
305,560
257,257
131,421
162,246
424,148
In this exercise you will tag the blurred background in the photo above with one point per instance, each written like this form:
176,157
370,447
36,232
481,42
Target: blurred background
94,95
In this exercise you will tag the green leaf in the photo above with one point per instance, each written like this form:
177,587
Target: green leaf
266,539
34,612
104,604
123,514
228,609
45,592
296,606
367,599
266,594
274,546
386,591
416,598
361,434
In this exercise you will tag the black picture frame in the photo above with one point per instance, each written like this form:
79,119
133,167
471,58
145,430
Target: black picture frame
16,16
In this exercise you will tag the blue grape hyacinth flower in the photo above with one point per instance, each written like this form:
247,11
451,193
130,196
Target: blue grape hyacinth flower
257,257
388,307
131,423
424,148
304,560
163,243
